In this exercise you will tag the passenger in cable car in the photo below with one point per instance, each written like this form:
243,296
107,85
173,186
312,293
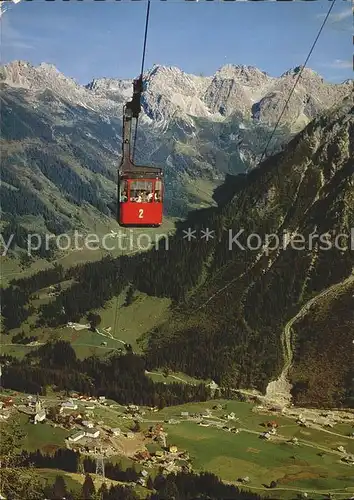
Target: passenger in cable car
124,197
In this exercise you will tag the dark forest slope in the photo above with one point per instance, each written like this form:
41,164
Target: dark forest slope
232,303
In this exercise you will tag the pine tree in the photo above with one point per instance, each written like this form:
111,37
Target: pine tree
88,488
94,320
59,488
150,483
136,426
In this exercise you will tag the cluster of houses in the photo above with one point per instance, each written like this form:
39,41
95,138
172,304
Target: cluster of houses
346,457
91,432
206,419
170,459
157,434
6,403
272,427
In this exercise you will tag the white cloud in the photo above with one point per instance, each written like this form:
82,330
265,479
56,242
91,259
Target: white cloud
339,16
344,14
339,64
11,38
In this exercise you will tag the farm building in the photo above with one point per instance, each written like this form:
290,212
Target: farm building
92,433
69,405
88,424
75,437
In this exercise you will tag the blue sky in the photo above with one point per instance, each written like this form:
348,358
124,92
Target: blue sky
88,39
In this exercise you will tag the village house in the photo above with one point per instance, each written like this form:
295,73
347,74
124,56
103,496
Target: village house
173,449
213,385
7,401
130,435
88,424
143,455
68,405
92,433
161,439
265,435
272,424
156,430
116,431
76,437
349,459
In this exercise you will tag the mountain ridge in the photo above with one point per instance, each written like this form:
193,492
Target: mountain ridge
202,88
50,124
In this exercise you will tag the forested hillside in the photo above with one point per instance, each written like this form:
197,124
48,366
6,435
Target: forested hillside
231,303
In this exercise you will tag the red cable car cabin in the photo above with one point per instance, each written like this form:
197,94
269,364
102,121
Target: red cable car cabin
140,197
140,189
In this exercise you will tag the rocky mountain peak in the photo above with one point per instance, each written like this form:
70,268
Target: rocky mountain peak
111,88
247,75
25,75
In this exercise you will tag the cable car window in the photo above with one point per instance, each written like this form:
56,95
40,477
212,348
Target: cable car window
158,191
123,192
141,191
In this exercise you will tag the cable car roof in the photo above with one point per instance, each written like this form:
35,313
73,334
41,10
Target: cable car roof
128,169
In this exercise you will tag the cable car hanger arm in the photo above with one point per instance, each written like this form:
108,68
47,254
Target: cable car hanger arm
131,111
132,108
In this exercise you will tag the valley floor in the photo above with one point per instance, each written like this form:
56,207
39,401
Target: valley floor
225,437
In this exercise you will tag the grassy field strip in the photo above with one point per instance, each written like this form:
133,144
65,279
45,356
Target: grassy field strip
170,376
110,336
298,490
76,480
319,428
